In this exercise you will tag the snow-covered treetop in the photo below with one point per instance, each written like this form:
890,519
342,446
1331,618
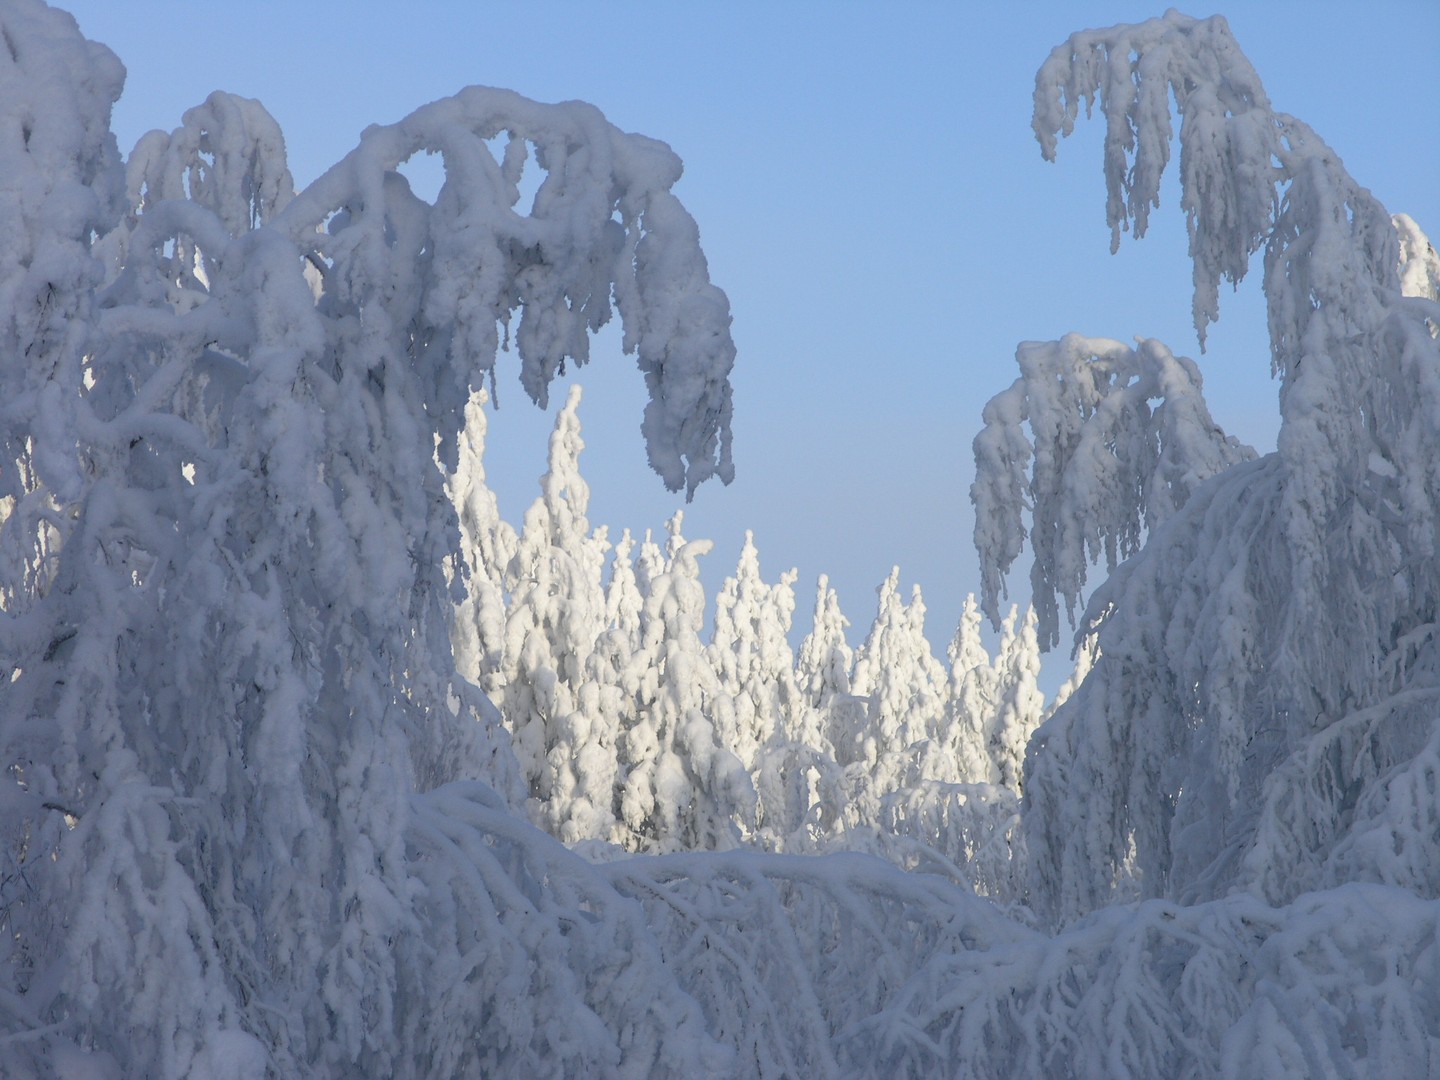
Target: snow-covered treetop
1419,263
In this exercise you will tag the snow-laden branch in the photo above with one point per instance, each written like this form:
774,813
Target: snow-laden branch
437,282
1266,606
1232,146
603,224
1118,439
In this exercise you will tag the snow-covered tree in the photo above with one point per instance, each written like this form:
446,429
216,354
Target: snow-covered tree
684,789
1419,264
229,707
751,654
903,683
255,823
650,561
623,600
586,763
1262,709
1019,703
556,613
918,770
777,734
487,544
974,694
825,658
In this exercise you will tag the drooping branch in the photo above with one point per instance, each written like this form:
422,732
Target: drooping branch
1267,604
603,232
1117,440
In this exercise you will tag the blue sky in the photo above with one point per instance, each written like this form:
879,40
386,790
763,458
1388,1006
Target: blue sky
869,195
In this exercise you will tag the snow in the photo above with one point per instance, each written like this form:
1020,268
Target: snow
316,767
1264,657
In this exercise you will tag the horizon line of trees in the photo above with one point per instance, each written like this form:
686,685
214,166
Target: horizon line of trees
636,733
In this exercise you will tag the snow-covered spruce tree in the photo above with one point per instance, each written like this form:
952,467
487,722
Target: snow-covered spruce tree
487,544
1019,703
556,613
650,564
229,713
974,694
751,654
623,600
586,764
903,683
1262,712
777,734
822,666
683,788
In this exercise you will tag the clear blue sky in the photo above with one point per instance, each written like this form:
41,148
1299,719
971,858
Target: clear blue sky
870,197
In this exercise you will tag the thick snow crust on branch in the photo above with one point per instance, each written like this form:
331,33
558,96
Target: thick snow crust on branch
1106,465
602,233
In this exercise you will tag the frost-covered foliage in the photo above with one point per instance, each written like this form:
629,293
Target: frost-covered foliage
1262,711
841,966
1419,263
488,544
1105,466
227,682
633,733
259,819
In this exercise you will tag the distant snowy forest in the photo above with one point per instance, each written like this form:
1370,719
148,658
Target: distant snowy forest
317,767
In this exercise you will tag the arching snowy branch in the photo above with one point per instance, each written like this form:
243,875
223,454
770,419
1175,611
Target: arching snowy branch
224,610
602,224
435,283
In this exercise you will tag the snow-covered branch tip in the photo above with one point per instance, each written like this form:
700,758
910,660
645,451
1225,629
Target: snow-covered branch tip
1229,137
1118,438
